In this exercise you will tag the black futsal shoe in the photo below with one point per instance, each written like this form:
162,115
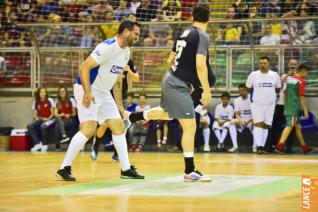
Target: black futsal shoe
131,174
65,174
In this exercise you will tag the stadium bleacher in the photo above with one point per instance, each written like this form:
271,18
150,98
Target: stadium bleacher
58,34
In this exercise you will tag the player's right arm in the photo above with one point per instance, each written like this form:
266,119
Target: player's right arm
249,82
84,73
202,69
171,58
172,55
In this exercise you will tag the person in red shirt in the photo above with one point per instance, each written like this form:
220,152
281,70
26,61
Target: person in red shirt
65,113
43,118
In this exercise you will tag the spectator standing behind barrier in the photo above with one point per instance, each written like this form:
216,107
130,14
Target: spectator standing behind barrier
146,11
172,9
122,11
159,35
141,127
65,114
269,39
279,117
43,118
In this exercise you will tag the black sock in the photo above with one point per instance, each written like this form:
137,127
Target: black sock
136,116
189,165
115,152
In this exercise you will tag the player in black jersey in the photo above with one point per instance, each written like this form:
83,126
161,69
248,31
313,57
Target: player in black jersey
189,58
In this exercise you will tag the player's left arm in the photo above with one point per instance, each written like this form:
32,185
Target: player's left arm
132,72
117,90
278,83
202,69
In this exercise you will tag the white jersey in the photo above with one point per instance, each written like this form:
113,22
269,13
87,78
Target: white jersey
263,87
111,60
224,113
281,99
140,109
244,107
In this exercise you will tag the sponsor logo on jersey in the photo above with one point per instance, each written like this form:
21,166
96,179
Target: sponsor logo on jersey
247,112
265,85
97,53
116,69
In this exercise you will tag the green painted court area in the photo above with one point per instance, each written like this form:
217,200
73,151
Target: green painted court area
225,186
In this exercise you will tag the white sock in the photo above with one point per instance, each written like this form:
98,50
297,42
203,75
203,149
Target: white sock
121,147
206,136
223,136
233,134
258,136
264,137
218,135
188,154
77,142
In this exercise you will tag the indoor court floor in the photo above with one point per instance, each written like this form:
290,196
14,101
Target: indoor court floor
241,182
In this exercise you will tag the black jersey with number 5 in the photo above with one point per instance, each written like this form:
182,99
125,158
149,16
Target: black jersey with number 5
192,41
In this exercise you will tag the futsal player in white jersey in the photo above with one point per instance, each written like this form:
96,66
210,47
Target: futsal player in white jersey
223,115
243,114
263,85
98,74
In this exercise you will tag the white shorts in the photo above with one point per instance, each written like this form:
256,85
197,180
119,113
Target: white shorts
249,126
216,125
103,109
263,113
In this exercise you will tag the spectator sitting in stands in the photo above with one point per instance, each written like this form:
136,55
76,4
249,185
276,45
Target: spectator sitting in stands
134,4
43,118
110,31
100,10
255,27
186,9
308,32
90,33
140,128
3,65
232,34
230,31
146,11
241,9
14,36
122,11
159,35
65,115
289,30
131,106
269,39
172,9
276,25
25,9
